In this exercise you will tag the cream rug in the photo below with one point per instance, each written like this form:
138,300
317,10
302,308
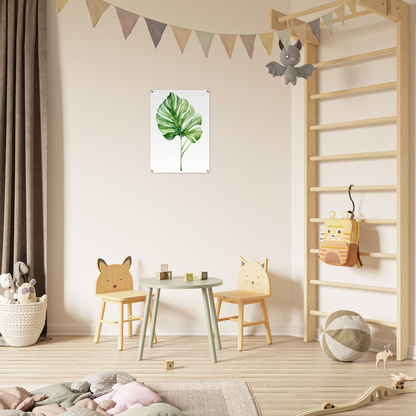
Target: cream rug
220,398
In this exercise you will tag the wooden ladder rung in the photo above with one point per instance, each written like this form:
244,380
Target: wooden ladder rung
356,57
370,321
360,220
365,254
353,286
357,90
355,123
347,156
355,188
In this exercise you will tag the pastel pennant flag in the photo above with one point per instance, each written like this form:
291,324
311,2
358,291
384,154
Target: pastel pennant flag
353,7
301,32
181,36
340,12
284,36
127,21
156,30
248,41
267,40
205,39
229,42
60,4
328,20
96,9
314,25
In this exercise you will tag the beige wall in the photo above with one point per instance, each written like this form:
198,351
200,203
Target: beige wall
103,202
363,35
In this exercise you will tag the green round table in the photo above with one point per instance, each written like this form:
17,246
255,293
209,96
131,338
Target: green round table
178,282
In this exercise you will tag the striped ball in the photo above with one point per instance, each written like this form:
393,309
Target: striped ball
344,336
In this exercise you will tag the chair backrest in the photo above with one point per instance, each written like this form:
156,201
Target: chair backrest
113,278
253,277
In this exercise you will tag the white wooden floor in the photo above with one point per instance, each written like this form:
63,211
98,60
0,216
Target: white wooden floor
286,377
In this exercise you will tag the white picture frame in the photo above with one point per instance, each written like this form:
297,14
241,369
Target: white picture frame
180,154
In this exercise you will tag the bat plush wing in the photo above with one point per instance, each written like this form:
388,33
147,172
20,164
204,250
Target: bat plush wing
276,69
305,71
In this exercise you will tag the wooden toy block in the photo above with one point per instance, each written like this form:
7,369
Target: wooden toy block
169,364
169,274
164,268
202,275
162,276
188,277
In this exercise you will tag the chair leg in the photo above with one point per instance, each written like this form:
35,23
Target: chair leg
99,323
129,324
266,321
120,326
240,326
150,323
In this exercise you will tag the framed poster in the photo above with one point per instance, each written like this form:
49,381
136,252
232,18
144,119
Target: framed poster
180,131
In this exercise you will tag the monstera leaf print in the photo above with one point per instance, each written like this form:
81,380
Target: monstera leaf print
176,117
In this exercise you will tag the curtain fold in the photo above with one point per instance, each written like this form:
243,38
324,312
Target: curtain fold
23,138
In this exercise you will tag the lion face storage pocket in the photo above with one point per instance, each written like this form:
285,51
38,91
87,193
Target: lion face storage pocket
339,241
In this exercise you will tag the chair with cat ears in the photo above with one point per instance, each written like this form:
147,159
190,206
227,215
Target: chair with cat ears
115,285
253,286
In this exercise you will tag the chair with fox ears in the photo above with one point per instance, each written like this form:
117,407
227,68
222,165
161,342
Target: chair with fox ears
253,286
115,285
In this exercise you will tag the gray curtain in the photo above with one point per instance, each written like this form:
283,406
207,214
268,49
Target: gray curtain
23,137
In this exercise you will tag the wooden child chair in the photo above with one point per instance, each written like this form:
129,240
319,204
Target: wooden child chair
115,285
253,286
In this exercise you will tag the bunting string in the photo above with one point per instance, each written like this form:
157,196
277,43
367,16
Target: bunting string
156,29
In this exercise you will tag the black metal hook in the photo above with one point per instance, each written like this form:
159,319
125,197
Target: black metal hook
353,204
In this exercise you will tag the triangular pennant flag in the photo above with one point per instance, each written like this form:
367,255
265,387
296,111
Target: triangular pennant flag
205,39
284,36
60,4
328,20
340,12
301,32
267,40
96,9
248,41
353,7
127,21
229,42
314,25
181,36
156,30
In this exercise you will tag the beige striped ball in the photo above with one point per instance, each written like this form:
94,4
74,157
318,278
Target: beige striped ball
345,336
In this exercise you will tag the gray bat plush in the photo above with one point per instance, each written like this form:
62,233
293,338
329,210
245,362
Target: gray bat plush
290,58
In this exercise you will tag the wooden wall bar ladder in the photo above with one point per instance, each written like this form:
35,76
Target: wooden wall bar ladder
401,190
396,11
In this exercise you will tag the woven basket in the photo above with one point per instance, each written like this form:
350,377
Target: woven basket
21,325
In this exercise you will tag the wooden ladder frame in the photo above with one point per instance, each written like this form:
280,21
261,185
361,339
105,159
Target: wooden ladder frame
396,11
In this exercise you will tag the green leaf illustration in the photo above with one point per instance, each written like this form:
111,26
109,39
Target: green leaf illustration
176,117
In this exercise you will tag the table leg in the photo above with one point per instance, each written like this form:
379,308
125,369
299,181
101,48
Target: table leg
152,327
144,323
214,317
209,327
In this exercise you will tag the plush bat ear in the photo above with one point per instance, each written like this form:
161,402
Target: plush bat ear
281,44
298,44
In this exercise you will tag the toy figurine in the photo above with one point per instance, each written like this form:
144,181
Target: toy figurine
384,355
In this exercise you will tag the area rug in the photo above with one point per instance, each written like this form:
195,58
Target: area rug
219,398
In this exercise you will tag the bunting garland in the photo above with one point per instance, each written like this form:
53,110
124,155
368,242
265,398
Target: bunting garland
156,29
127,21
328,20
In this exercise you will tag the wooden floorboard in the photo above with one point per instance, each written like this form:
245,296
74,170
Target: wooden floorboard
286,377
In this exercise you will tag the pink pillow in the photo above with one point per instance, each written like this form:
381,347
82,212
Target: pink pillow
130,395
